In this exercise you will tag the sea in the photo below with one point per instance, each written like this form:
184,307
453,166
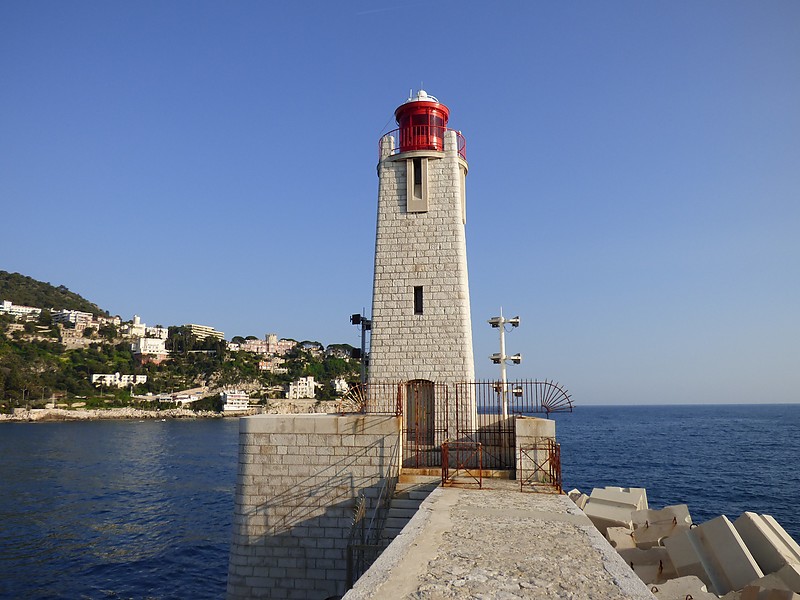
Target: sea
127,509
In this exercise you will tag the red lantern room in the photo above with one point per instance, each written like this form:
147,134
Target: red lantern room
423,122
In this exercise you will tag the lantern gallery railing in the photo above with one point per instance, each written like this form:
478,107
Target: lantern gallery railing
421,137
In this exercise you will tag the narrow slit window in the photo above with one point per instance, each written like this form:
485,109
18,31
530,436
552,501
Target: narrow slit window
417,299
417,178
417,185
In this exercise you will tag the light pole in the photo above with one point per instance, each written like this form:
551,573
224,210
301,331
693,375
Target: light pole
366,325
501,358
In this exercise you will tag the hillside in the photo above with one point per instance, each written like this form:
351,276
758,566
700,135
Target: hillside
21,289
36,368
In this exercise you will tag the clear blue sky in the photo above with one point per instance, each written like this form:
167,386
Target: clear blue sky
634,185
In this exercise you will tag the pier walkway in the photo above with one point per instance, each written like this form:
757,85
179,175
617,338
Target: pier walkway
498,543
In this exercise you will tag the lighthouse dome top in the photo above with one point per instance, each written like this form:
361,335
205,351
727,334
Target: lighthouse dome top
422,125
422,96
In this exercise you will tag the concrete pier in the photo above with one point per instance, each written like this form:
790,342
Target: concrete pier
499,543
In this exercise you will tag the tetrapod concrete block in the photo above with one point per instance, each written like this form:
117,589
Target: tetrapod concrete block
620,538
755,592
651,526
785,578
682,588
578,498
715,553
652,565
767,541
612,506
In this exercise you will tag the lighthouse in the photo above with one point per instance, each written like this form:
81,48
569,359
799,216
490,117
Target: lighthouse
421,327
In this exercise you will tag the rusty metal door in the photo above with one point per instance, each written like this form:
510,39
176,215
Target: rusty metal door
424,423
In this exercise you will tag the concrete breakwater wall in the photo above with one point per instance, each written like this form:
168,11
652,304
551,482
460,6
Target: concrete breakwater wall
750,558
297,482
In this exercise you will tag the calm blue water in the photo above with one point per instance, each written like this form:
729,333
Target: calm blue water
143,510
718,459
116,509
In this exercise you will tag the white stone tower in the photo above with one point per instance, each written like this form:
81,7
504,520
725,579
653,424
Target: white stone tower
421,328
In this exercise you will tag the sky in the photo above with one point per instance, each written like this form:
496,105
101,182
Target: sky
633,192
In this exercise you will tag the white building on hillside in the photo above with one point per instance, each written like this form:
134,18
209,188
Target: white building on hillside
117,380
234,400
115,321
29,313
284,346
340,385
150,349
201,332
184,399
302,388
76,317
273,365
161,333
135,328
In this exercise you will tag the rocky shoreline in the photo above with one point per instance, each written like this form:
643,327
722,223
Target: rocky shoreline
45,415
84,414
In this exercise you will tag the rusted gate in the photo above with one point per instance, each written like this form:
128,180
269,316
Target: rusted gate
479,420
469,412
425,423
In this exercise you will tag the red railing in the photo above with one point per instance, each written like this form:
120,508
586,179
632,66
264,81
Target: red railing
476,413
380,398
540,466
521,397
466,459
421,137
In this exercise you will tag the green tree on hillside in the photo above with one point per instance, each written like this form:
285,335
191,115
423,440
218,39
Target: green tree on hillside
21,289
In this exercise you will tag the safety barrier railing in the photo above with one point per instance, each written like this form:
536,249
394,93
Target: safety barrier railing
380,398
388,486
475,412
356,542
539,466
364,540
421,137
467,460
522,397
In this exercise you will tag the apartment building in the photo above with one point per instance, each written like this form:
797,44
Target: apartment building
149,349
117,380
18,311
201,332
302,388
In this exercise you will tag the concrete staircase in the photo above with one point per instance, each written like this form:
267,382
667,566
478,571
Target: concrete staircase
409,493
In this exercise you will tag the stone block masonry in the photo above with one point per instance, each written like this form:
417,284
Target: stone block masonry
421,252
297,481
